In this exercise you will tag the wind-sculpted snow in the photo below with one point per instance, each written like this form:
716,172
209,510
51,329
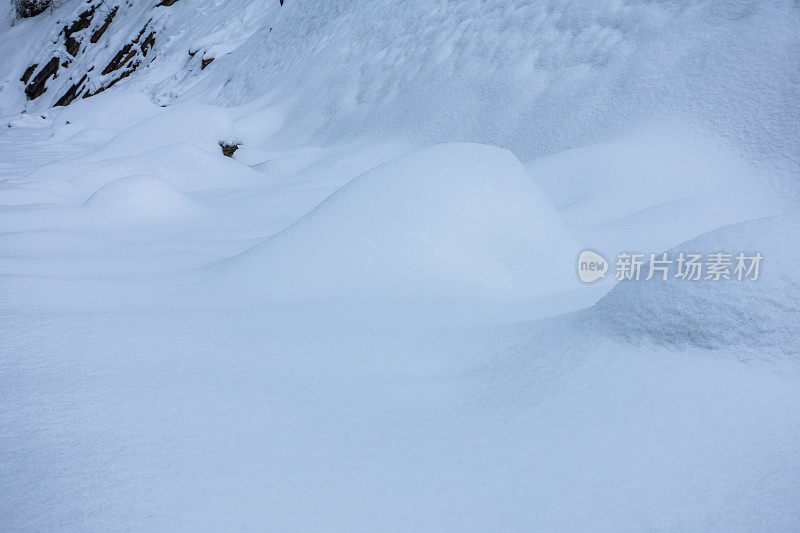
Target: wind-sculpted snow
535,77
596,184
763,314
459,220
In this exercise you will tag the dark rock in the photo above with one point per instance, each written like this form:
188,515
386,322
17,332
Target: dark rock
228,149
71,94
72,45
148,42
31,8
102,29
28,73
124,54
84,20
37,87
127,52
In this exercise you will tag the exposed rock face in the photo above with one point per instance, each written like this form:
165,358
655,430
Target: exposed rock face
72,93
28,73
30,8
87,58
81,23
37,86
102,29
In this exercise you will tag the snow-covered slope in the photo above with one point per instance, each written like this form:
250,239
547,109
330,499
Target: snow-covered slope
536,77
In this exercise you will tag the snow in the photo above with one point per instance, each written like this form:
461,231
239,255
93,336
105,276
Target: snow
695,182
369,317
145,198
764,315
463,220
185,166
106,112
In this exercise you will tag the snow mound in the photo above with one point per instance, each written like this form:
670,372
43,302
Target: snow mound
607,181
141,198
762,313
454,220
105,111
185,166
200,125
30,120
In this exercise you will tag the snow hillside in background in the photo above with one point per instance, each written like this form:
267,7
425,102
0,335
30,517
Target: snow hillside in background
368,316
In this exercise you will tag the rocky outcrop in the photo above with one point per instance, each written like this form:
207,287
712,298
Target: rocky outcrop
30,8
88,57
38,84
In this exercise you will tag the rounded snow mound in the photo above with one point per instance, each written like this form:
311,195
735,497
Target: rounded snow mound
453,220
762,313
185,166
105,112
201,125
141,198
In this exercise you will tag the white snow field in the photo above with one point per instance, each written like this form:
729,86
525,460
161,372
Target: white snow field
369,318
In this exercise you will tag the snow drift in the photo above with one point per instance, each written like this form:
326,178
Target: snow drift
451,220
763,314
145,198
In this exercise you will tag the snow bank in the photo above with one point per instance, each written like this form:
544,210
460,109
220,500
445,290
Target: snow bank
764,313
652,191
185,166
105,111
202,126
142,198
607,181
451,220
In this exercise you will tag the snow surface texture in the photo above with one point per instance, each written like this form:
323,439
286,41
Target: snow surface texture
464,220
716,314
369,317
